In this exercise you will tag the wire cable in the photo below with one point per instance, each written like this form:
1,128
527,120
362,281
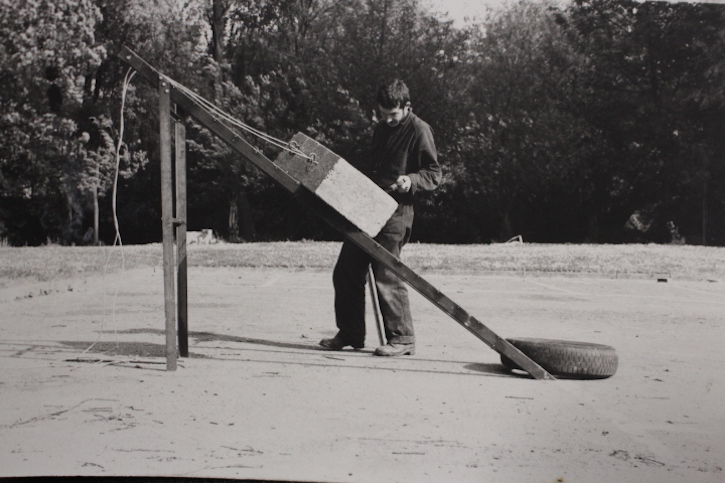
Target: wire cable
224,117
114,208
114,197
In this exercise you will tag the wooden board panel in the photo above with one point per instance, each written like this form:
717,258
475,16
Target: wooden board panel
339,184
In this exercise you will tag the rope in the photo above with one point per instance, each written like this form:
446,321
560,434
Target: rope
222,116
114,208
126,82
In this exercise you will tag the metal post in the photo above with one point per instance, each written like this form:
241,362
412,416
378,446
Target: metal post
167,209
181,265
376,305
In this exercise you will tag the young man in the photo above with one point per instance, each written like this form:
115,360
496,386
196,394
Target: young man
403,162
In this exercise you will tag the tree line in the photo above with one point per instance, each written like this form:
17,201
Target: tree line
598,121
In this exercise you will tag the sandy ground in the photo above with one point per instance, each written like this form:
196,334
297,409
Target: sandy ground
84,388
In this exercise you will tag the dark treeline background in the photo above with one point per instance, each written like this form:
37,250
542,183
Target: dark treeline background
599,121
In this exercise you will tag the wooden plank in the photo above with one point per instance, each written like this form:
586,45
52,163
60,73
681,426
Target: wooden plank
339,184
182,305
312,171
167,210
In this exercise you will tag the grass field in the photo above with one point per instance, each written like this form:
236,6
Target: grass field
29,264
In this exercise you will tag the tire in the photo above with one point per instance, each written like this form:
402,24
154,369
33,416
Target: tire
569,359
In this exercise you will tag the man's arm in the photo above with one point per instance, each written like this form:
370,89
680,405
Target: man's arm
428,176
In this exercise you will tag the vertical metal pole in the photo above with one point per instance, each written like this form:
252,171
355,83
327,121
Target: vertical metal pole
181,266
167,210
376,305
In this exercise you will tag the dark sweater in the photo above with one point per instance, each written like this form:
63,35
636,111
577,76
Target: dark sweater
406,149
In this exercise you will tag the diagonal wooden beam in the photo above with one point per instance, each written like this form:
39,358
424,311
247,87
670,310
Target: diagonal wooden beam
316,205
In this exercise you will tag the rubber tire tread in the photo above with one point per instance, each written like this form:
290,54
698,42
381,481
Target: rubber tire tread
569,359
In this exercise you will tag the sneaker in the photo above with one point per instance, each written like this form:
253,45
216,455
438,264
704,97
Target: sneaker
393,349
337,344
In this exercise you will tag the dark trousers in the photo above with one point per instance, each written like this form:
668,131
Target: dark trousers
349,281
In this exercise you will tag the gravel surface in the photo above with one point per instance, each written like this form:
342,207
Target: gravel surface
84,388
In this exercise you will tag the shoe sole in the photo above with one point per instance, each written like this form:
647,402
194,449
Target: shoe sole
339,348
410,352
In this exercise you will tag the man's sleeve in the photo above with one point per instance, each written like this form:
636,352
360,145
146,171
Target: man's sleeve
428,176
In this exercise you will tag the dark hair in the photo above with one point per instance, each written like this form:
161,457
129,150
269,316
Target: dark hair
393,94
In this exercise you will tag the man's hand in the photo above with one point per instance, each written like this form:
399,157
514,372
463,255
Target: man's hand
402,185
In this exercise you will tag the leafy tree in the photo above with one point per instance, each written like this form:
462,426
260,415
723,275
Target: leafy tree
556,123
48,48
644,87
169,35
518,147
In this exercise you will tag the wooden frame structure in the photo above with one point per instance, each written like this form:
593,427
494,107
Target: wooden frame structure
173,220
176,222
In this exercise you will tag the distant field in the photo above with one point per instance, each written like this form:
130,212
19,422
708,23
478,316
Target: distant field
27,264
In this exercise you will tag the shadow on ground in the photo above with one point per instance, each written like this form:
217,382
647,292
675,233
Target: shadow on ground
147,349
135,349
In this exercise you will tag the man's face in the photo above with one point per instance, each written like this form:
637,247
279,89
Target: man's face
393,117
